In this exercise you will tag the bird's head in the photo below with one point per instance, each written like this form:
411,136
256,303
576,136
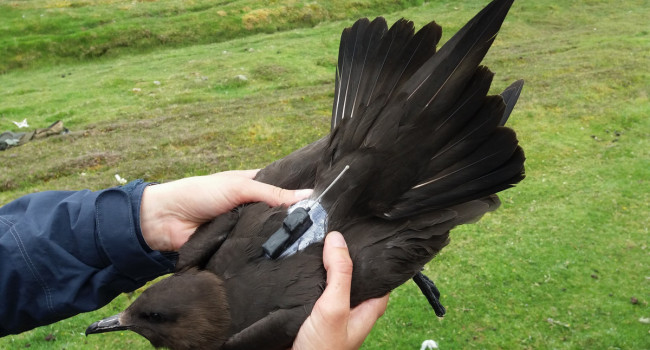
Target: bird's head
188,310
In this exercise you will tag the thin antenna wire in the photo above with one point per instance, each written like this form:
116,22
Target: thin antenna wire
333,182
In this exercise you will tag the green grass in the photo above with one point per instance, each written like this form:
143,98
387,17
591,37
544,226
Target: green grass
54,31
554,268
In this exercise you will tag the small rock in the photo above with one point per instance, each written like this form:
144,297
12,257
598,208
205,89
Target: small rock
136,89
50,337
156,82
241,77
634,300
594,276
644,320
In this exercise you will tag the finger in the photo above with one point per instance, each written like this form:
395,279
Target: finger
338,264
255,191
363,317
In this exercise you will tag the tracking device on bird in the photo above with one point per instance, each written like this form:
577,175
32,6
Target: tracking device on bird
293,226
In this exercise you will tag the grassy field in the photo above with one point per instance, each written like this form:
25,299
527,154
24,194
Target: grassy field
54,31
564,264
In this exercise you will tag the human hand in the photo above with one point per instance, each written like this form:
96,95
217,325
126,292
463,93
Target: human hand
172,211
332,324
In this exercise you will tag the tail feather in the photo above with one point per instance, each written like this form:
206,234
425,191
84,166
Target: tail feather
480,174
448,124
440,80
510,96
435,193
490,154
418,121
390,59
357,49
474,133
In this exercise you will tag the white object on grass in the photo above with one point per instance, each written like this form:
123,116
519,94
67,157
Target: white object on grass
120,179
22,124
429,345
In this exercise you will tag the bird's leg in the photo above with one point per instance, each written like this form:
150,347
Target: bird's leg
431,292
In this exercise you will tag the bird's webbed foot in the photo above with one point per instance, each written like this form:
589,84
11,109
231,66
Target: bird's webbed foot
431,292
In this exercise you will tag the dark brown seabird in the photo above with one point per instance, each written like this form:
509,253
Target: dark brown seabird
427,150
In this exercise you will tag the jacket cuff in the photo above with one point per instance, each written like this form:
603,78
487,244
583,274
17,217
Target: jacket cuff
117,213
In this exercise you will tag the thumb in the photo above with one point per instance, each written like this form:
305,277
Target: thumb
255,191
338,264
363,318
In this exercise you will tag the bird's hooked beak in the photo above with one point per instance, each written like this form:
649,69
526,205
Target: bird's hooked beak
108,324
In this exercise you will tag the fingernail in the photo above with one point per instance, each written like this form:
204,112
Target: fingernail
336,239
302,194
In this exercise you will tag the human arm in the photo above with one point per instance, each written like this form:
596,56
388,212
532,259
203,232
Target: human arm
332,324
66,252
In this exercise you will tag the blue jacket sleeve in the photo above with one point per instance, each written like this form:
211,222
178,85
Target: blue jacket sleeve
62,253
